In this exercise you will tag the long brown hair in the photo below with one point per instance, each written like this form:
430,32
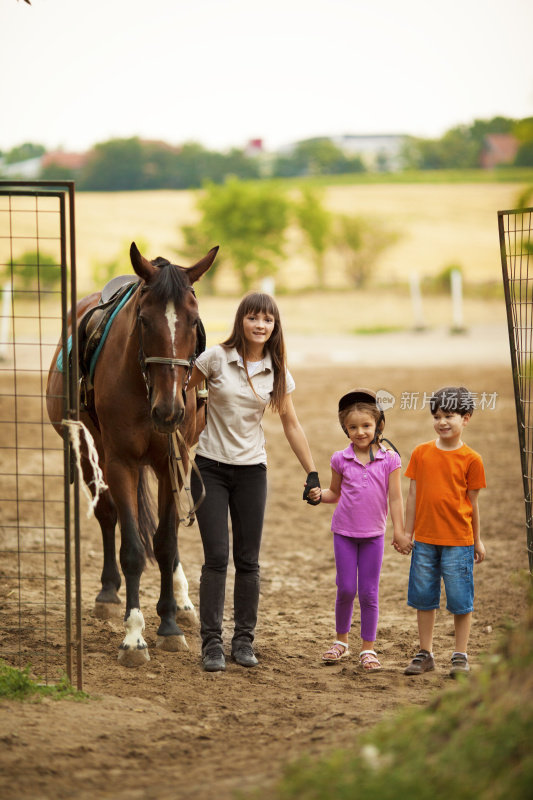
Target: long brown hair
255,303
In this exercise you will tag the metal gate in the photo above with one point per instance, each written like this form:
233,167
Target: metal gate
516,248
40,576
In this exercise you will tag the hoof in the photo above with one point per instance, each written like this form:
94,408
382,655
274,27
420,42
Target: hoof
172,644
107,610
133,657
187,614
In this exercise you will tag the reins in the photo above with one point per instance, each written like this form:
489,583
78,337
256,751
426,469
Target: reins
176,469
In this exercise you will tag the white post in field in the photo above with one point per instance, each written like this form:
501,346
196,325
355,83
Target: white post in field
416,302
5,320
268,286
456,280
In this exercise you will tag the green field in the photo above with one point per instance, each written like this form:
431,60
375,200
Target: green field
438,223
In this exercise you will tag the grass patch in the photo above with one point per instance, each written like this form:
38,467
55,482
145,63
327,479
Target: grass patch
370,331
437,176
16,684
473,741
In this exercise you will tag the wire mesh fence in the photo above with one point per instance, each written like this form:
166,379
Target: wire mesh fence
516,247
39,536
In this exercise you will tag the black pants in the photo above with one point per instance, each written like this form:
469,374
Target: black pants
242,490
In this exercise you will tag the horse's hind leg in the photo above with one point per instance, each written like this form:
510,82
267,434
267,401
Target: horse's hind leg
107,603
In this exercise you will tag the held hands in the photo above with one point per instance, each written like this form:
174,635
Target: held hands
479,551
402,543
312,489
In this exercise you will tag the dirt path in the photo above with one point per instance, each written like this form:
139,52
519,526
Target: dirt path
169,730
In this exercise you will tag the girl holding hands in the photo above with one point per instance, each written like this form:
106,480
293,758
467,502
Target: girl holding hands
245,374
365,484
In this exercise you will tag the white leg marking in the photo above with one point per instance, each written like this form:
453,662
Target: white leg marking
172,321
133,650
181,589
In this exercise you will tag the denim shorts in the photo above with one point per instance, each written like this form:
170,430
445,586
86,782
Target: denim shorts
430,563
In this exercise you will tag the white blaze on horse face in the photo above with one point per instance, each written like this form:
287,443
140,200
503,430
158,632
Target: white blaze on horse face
172,321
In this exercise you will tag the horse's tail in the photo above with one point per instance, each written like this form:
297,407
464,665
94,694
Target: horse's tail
146,512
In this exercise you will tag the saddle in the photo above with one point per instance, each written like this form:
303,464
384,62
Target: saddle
96,322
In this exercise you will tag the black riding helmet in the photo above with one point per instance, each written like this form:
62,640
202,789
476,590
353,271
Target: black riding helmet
370,397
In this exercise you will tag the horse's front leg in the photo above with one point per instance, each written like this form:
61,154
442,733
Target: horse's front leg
133,651
169,634
184,606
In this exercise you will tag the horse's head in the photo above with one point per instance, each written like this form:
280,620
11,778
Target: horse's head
167,319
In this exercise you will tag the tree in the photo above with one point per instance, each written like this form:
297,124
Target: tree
33,270
361,241
315,221
116,164
104,271
196,240
248,221
23,152
316,157
459,148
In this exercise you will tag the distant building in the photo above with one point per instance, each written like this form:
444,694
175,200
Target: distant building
254,147
28,170
31,169
498,148
72,161
377,151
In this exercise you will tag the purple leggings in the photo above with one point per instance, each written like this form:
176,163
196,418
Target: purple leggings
358,564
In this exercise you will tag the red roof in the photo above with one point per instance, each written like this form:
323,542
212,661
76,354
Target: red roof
68,160
498,148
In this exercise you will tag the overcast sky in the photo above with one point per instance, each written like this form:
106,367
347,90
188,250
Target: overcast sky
78,72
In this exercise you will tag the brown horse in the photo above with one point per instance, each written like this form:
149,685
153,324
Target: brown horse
139,399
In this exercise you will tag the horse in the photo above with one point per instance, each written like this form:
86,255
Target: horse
140,400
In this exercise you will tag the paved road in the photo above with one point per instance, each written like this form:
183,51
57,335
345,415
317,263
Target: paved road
480,345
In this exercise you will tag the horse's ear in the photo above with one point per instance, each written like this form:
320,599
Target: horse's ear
197,270
140,264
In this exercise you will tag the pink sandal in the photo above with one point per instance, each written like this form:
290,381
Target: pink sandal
369,661
337,651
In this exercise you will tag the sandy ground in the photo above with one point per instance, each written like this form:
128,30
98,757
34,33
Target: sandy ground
168,730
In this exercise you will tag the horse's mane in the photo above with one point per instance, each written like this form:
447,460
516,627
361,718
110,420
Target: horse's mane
169,283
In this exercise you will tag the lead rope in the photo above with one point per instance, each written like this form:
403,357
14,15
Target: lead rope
76,429
177,470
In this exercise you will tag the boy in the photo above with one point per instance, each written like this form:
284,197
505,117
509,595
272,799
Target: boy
443,516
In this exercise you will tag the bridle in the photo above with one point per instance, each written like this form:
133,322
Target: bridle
173,362
174,440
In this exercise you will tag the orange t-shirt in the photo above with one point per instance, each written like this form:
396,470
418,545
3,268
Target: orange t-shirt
443,478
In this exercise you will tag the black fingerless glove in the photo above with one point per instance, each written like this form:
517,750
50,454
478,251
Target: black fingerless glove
312,482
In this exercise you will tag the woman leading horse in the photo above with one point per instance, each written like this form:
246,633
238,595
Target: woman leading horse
139,385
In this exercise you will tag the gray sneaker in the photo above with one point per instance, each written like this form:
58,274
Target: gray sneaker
213,659
245,656
422,662
460,665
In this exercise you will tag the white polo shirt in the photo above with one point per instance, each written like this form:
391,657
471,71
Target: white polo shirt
234,433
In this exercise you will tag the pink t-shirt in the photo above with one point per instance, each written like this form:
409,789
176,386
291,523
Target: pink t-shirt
363,505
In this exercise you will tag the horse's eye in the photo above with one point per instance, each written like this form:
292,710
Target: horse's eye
144,322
